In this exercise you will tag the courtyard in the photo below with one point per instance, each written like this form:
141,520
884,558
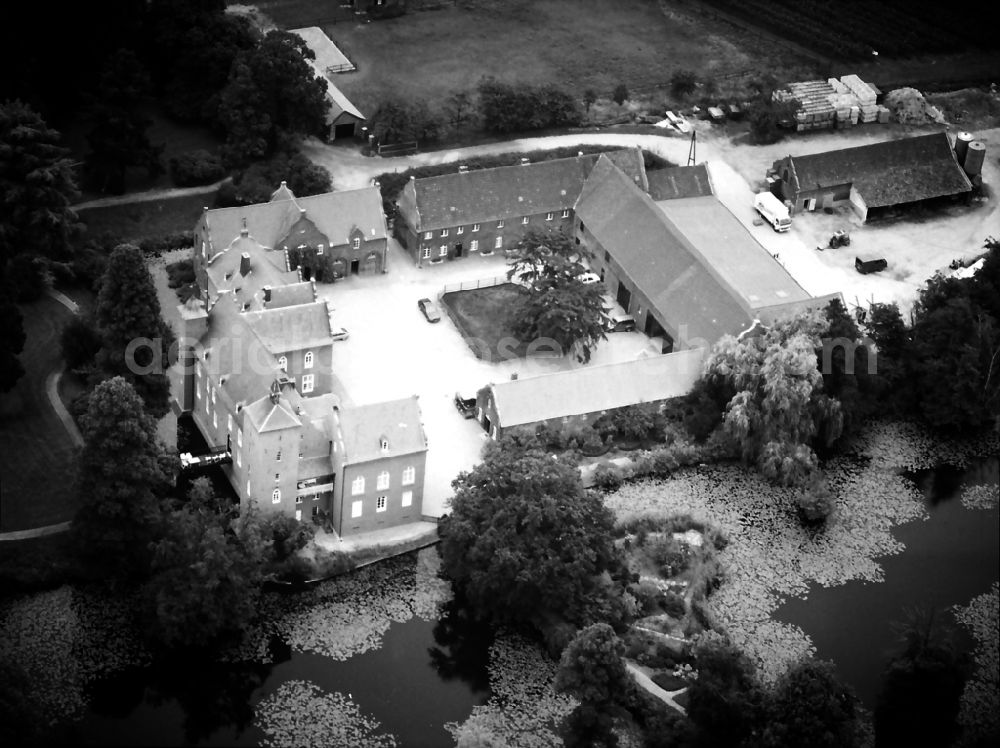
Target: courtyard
393,352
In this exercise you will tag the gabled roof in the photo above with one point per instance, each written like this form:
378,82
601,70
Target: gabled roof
327,54
291,328
769,315
887,173
481,195
334,214
592,389
363,427
679,181
267,268
658,259
732,251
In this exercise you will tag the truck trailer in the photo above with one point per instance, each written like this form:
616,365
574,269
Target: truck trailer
772,210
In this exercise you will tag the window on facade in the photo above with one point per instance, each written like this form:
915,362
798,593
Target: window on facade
383,444
277,477
319,249
248,489
427,252
355,509
444,232
356,244
308,363
308,382
278,456
276,496
499,242
213,396
607,256
407,498
283,363
474,245
298,499
428,235
315,511
239,437
565,213
500,224
229,423
549,216
239,458
460,230
215,420
358,486
380,503
582,227
443,250
524,220
475,227
383,480
409,475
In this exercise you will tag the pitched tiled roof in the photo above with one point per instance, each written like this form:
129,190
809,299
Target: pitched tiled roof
363,427
291,295
887,173
768,315
679,181
267,268
591,389
658,259
732,251
291,328
267,415
481,195
334,214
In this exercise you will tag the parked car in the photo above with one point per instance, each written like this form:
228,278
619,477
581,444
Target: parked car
341,334
587,278
678,121
429,310
465,405
620,323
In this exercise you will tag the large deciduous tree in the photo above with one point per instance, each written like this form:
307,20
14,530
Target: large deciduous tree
558,305
128,315
37,184
726,701
273,94
123,474
525,541
118,136
779,404
810,706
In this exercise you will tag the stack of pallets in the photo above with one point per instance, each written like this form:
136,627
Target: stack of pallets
866,96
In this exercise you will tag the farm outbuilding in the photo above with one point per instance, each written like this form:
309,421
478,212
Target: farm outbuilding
872,178
343,119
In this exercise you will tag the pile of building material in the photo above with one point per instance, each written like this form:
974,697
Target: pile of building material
834,103
908,105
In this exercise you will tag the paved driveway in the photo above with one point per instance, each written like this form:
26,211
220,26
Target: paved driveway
394,352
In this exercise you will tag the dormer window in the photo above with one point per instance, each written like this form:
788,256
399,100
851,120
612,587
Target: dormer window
319,249
384,445
356,243
283,363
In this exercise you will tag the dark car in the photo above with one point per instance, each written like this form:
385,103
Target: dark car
430,310
620,323
466,405
870,266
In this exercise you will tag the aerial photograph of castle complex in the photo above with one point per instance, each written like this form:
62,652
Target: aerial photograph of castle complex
500,374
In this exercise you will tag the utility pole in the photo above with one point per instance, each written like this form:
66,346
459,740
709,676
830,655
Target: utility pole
691,150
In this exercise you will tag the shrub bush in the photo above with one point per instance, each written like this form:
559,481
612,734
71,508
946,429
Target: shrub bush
620,94
673,605
556,636
27,276
701,611
225,196
608,478
196,168
180,273
257,183
669,681
649,597
80,341
683,83
815,503
670,555
155,245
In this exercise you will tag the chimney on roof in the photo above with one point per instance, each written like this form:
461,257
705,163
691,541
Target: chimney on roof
243,231
275,393
267,294
579,153
245,264
302,211
525,161
462,168
284,183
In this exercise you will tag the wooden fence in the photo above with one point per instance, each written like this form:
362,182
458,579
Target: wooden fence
396,149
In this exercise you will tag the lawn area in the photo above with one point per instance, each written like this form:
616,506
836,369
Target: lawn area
577,44
132,221
481,315
36,452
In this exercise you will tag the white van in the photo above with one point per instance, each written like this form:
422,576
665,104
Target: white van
772,210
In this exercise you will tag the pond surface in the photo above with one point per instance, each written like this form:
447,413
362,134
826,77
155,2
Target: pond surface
423,675
949,559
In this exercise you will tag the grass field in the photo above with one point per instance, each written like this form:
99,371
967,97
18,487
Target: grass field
577,44
133,221
481,315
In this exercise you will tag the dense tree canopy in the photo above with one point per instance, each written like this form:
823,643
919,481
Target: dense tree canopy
37,184
779,405
726,700
128,310
558,305
123,473
507,107
11,344
525,540
591,667
272,93
398,119
258,182
809,706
